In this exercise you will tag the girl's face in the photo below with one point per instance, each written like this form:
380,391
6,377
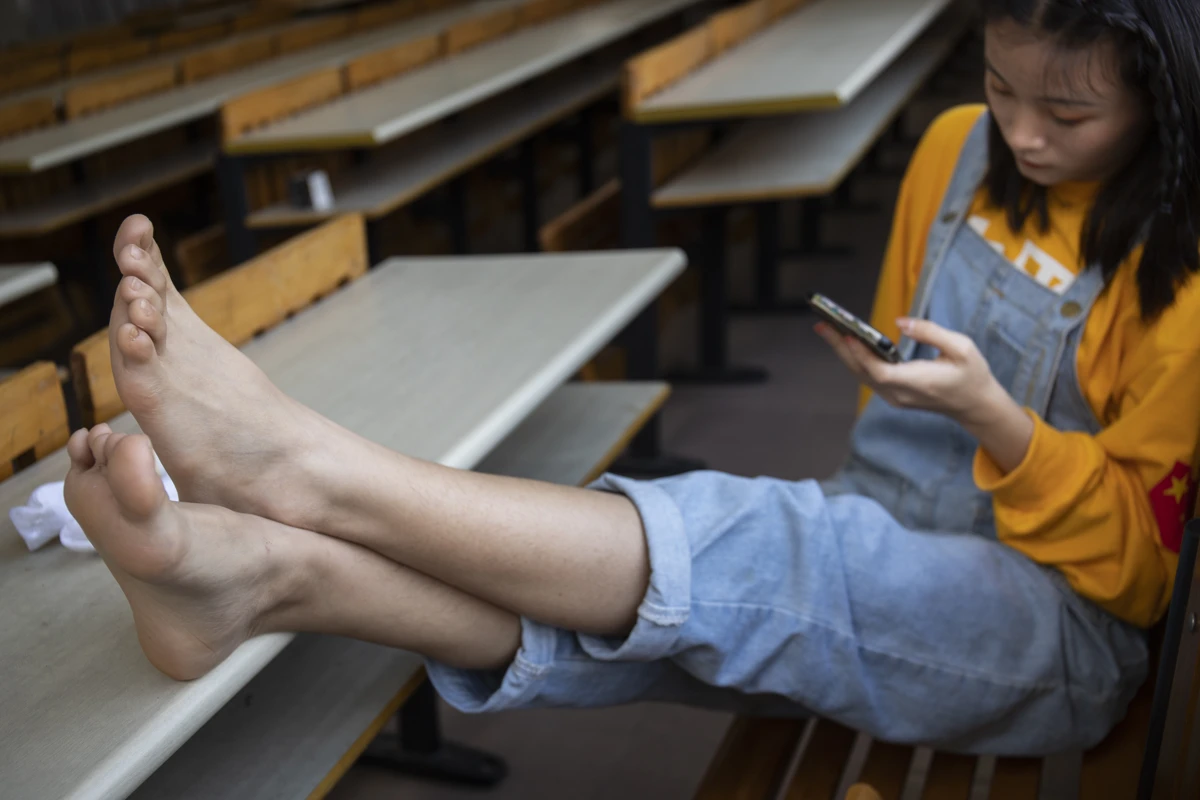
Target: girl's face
1066,114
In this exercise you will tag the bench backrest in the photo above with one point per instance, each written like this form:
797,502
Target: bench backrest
201,255
28,74
94,57
534,12
190,37
261,18
97,95
1171,767
374,16
27,115
33,417
241,302
480,29
310,34
260,107
222,58
392,61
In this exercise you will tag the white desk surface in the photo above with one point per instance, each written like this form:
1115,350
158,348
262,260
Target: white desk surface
21,280
439,358
436,154
393,108
805,154
289,728
50,147
820,56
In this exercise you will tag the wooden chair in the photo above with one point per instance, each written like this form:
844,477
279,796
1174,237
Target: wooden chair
240,303
97,95
33,417
375,16
1153,754
178,40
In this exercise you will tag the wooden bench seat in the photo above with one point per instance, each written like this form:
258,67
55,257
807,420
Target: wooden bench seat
85,200
1153,753
287,734
433,156
810,154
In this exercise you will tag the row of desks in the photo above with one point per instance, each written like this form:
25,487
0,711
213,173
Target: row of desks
437,358
76,139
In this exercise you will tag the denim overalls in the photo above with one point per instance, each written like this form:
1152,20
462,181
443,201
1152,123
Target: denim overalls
879,598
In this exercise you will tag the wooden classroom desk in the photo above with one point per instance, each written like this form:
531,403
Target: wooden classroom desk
20,280
439,358
820,56
386,112
60,144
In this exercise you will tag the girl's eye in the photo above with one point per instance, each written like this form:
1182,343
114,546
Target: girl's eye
1000,89
1066,122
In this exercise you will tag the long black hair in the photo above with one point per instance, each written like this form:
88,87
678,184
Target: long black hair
1154,199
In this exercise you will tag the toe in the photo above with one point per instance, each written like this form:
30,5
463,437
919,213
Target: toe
137,231
96,438
135,261
132,478
132,289
145,316
134,343
80,450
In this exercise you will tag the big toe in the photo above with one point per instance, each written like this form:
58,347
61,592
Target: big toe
133,479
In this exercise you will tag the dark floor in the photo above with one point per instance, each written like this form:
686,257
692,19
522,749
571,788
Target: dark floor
794,426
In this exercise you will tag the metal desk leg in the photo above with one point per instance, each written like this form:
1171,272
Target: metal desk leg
530,215
645,457
714,364
587,151
231,178
420,750
457,214
767,300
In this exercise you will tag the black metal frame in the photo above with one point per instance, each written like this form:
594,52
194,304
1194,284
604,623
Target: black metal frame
1176,675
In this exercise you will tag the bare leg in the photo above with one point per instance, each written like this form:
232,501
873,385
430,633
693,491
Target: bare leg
202,579
566,557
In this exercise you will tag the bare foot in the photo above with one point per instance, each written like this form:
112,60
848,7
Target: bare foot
198,578
226,435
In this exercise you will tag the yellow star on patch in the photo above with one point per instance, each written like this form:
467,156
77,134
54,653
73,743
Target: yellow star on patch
1178,490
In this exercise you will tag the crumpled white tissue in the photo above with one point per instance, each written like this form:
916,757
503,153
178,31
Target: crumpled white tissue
46,518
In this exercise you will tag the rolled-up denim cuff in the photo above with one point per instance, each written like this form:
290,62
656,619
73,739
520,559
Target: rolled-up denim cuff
667,603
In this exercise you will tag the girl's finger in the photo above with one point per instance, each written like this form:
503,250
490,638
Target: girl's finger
949,342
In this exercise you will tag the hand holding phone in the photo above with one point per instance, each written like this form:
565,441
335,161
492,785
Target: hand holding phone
850,325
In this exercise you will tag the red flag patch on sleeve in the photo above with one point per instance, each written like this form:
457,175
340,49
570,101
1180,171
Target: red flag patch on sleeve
1173,499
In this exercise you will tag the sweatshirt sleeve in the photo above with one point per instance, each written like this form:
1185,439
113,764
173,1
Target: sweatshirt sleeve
1108,510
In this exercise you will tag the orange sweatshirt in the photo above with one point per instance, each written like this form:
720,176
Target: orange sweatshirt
1107,510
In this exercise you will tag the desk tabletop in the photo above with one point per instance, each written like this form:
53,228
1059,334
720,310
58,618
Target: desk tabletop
393,108
820,56
439,358
60,144
19,280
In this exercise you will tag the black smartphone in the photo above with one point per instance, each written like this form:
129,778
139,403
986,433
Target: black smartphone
850,325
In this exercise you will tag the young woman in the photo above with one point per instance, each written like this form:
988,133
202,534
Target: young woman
978,576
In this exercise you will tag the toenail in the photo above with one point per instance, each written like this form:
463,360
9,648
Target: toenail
135,251
144,305
134,283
